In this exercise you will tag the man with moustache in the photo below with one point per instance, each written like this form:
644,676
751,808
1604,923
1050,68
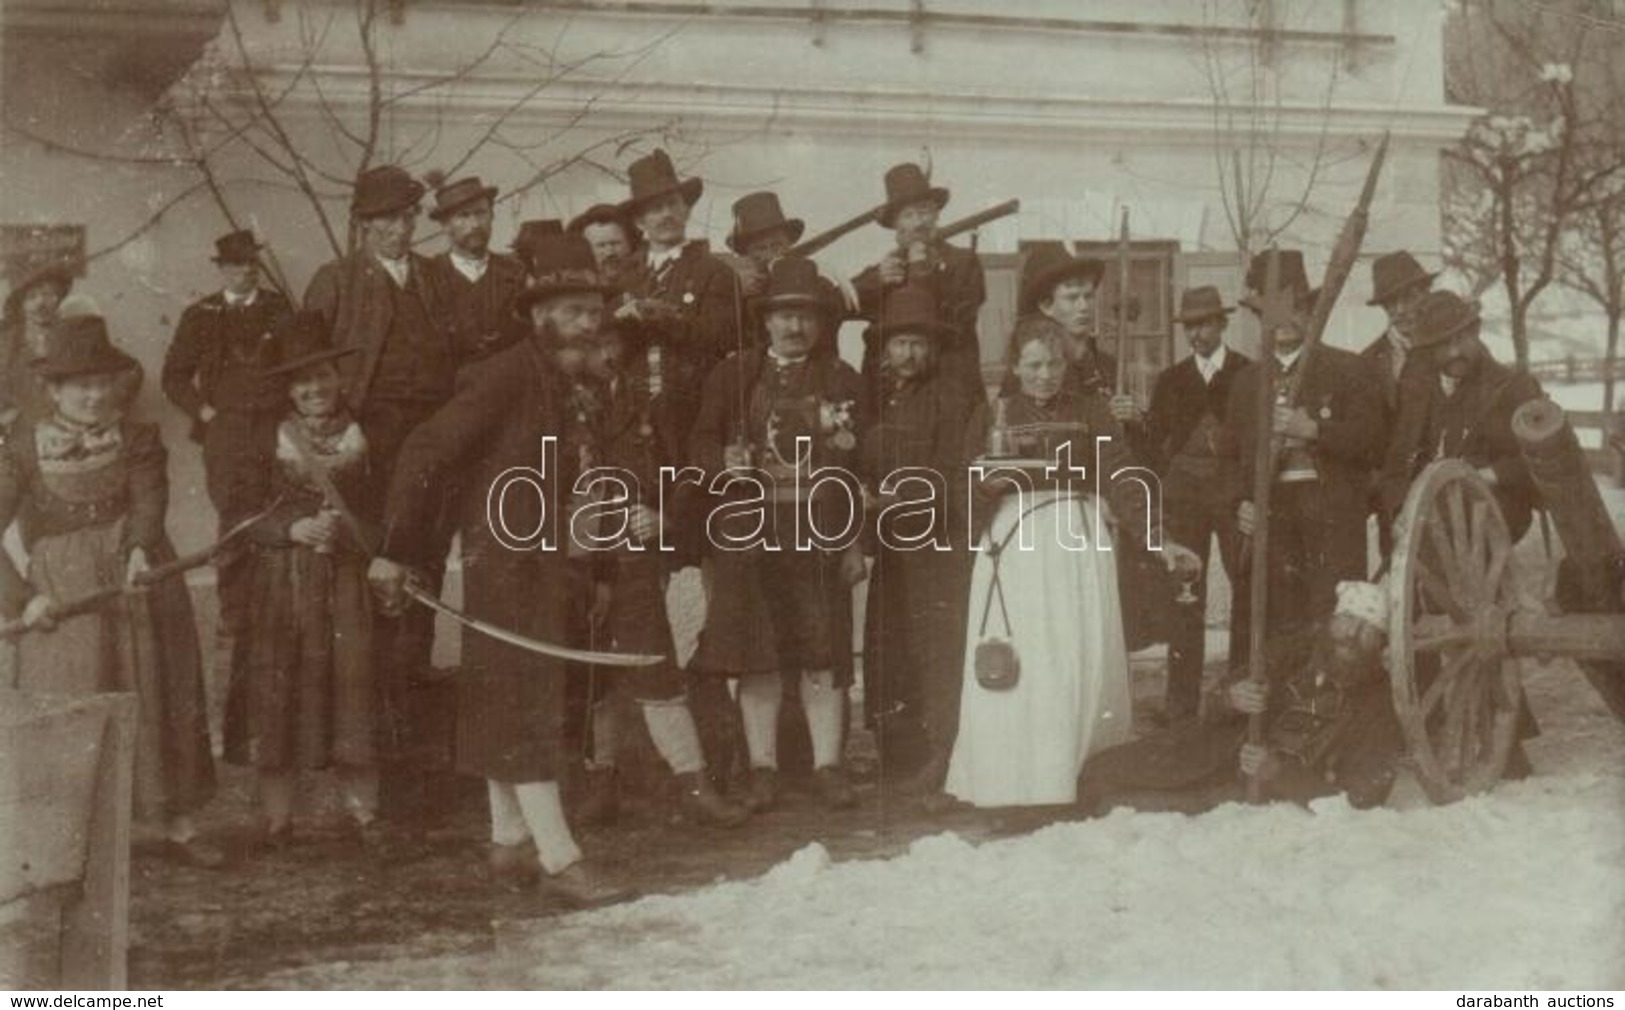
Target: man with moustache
1332,441
914,630
679,296
392,304
761,234
480,284
954,275
1184,436
1398,284
510,700
779,605
613,239
1457,402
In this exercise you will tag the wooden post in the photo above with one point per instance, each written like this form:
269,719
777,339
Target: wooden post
1274,312
96,927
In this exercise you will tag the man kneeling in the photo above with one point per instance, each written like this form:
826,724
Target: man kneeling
1330,727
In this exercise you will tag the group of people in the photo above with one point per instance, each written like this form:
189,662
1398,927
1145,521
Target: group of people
611,404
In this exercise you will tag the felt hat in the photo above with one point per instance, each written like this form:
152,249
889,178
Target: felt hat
756,214
605,213
908,184
302,341
532,232
1394,273
561,265
654,176
79,345
384,189
1439,316
1048,264
912,308
448,199
792,281
1197,304
237,247
1291,275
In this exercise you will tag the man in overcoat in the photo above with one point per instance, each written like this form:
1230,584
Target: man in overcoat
1398,285
1332,439
510,509
913,208
1184,439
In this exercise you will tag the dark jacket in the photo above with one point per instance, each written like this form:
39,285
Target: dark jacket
510,701
1179,402
1474,425
955,276
354,296
199,357
482,314
918,425
1379,359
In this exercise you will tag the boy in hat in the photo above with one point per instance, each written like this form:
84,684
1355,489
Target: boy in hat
912,209
611,235
510,700
768,419
1398,285
214,371
914,630
481,285
1332,439
1330,727
391,304
680,296
1184,435
1457,402
88,490
761,234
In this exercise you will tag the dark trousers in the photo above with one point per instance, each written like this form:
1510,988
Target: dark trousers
1313,545
1193,523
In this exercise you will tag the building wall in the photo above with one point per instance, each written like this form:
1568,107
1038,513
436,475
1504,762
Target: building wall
1078,119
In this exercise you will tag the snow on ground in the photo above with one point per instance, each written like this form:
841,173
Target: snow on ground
1522,888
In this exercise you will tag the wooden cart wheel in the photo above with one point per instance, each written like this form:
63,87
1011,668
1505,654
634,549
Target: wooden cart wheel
1456,688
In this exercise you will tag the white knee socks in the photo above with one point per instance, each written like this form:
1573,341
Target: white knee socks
533,809
760,695
822,702
672,729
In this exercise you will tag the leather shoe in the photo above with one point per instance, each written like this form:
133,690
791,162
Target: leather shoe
833,786
702,803
514,867
579,885
763,790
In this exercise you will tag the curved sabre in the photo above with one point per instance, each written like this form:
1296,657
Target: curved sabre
513,638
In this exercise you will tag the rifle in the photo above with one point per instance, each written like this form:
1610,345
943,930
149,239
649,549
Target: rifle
828,237
975,221
1122,306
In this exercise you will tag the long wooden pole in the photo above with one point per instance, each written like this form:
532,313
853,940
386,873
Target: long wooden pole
1275,312
1122,306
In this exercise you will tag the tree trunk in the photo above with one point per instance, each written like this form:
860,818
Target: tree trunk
1609,352
1520,335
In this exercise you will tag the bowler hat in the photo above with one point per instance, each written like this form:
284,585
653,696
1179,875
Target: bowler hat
1290,276
79,345
912,308
908,184
451,197
561,264
757,214
654,176
792,281
302,341
1439,316
1205,302
385,189
237,247
1048,264
1394,273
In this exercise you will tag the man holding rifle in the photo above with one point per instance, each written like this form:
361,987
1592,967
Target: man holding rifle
761,234
1330,418
912,209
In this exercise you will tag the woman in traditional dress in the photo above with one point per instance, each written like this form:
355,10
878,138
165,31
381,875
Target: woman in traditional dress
303,697
88,491
1049,593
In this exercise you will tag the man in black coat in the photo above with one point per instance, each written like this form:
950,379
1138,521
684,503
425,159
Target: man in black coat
481,285
1457,402
954,275
1398,284
914,629
214,371
760,235
487,444
1184,440
1332,440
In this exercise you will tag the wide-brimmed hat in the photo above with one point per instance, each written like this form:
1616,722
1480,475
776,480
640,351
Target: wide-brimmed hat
303,341
792,281
58,273
385,189
1048,264
79,345
912,308
1197,304
1394,273
908,184
756,214
454,195
654,176
1439,316
605,213
1291,275
533,232
237,247
561,264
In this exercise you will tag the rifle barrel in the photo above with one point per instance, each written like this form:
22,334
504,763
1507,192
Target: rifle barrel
829,236
975,221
